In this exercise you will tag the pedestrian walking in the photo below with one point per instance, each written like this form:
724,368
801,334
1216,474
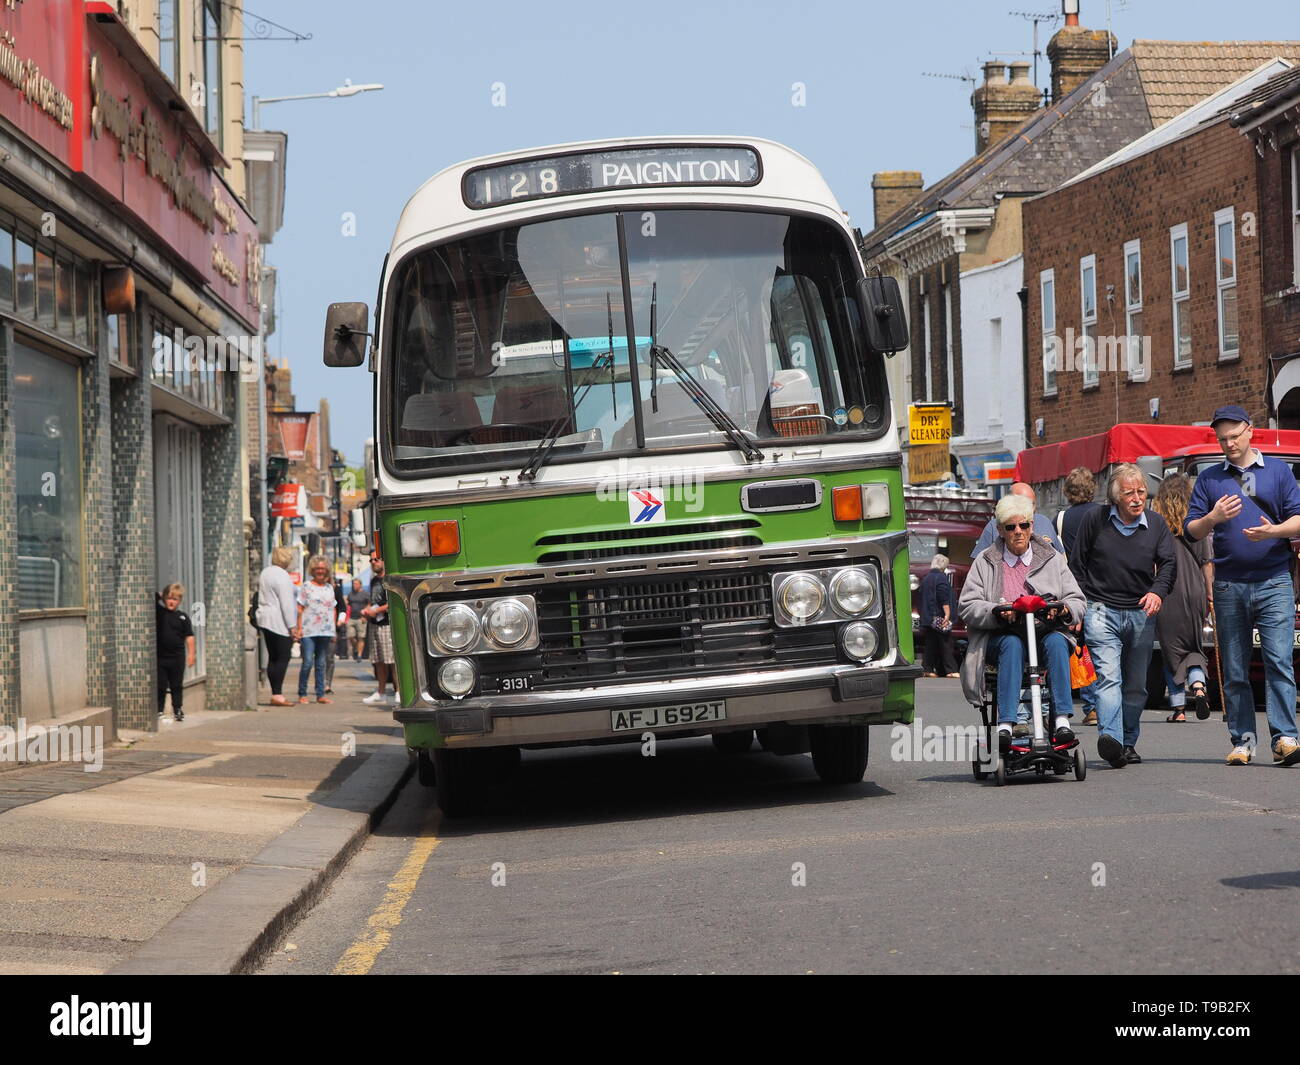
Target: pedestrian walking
1251,505
1080,490
1021,563
358,600
277,617
176,648
317,620
379,636
1181,621
936,620
1124,559
340,636
1042,526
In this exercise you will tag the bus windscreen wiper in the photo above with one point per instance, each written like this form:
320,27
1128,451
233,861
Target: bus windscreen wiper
543,449
721,420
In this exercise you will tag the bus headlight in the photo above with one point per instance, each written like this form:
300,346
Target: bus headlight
456,677
455,628
852,592
507,623
859,641
801,597
482,626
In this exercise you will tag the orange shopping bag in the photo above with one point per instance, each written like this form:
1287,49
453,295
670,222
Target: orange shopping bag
1082,672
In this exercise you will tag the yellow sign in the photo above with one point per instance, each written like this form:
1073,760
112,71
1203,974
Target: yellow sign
928,463
929,424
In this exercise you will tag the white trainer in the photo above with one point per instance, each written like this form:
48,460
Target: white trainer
375,699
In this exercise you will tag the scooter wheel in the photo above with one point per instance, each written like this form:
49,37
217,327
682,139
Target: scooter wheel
1000,774
1080,764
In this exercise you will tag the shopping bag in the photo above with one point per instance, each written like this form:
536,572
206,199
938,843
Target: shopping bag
1082,672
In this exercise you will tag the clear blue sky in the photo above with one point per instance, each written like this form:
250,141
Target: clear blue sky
575,70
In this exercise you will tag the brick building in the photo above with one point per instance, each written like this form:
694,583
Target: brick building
1270,119
1144,276
125,251
935,240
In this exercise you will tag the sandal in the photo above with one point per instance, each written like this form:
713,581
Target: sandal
1176,717
279,700
324,699
1200,703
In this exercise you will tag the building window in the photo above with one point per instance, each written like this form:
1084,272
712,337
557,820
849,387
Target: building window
212,69
25,277
1180,280
169,50
925,350
195,367
1088,307
47,430
1295,216
178,520
1137,369
1051,346
1225,255
951,394
45,289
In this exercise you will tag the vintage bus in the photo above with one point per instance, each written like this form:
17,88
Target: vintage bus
636,463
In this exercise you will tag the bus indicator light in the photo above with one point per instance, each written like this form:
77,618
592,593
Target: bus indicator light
444,538
846,503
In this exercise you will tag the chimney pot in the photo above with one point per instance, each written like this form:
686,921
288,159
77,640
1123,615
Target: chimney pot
892,190
995,72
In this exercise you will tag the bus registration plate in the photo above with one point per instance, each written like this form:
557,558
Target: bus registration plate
651,717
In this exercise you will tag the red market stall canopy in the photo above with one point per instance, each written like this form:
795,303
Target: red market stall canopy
1129,441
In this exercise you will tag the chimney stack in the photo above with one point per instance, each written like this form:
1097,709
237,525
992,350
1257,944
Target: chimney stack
1075,53
892,190
1001,105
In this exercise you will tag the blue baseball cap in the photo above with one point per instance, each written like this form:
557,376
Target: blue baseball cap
1230,413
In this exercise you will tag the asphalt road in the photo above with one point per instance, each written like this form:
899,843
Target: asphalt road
693,862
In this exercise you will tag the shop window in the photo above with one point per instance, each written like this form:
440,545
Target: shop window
64,296
6,269
82,305
47,424
25,277
45,288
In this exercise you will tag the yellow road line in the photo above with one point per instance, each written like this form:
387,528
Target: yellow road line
360,958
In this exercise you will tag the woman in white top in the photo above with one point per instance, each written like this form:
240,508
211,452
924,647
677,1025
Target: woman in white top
318,615
277,616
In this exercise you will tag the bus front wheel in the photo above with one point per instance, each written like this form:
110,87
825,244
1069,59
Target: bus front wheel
424,770
839,752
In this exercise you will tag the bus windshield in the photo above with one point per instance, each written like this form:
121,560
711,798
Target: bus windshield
501,338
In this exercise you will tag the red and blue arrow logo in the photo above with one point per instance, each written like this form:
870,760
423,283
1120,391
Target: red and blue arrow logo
650,505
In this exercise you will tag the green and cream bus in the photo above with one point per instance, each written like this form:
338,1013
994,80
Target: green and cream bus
636,462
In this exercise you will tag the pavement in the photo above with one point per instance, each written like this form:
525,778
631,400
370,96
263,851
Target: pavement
193,848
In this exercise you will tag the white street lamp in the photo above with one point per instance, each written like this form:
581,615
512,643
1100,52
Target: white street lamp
346,89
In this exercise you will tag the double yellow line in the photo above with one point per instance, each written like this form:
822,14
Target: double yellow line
360,958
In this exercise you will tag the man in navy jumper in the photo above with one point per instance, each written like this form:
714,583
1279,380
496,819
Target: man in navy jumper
1123,558
1252,506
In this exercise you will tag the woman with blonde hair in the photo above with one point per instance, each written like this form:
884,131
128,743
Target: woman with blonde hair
277,615
318,621
1182,617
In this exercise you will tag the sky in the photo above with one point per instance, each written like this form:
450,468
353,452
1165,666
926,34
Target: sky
842,82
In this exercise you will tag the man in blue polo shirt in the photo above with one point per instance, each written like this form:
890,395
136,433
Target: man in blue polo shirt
1252,506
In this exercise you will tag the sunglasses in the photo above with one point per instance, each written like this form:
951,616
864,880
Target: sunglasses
1018,525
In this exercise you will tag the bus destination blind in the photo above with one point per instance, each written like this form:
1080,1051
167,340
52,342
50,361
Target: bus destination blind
629,168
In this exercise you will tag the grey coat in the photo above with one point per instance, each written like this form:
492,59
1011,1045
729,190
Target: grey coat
982,592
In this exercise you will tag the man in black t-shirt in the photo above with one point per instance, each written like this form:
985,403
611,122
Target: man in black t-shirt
379,636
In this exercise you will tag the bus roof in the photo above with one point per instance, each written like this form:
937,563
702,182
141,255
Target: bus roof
787,181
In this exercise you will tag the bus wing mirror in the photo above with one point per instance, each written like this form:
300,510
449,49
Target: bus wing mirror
882,314
357,527
1154,468
345,328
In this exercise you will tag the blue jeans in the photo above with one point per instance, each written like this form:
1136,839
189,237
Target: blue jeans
315,650
1120,643
1008,652
1268,606
1177,693
1089,696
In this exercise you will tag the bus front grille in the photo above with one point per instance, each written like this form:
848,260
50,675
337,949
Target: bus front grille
695,625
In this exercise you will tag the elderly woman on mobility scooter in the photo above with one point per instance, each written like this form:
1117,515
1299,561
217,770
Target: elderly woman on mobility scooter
1021,564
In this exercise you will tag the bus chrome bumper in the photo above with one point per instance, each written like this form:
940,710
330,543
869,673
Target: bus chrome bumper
817,693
